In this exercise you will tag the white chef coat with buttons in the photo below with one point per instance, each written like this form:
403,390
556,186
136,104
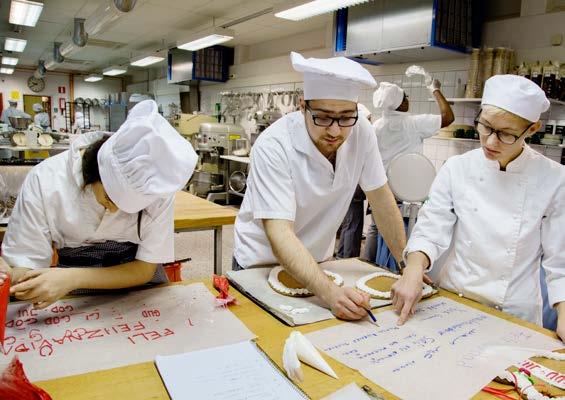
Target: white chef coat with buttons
290,179
53,209
502,225
403,133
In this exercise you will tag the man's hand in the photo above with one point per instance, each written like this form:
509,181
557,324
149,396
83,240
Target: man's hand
560,307
561,329
43,286
348,303
407,292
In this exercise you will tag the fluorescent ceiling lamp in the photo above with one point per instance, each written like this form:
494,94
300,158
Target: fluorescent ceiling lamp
25,12
207,38
93,78
306,9
9,60
114,70
6,70
16,45
144,61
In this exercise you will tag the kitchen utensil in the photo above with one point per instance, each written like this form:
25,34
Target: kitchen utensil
237,181
20,123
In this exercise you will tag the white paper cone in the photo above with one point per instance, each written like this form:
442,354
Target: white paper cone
291,363
307,353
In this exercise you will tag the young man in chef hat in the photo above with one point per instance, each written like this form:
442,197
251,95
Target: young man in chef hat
304,171
502,207
106,205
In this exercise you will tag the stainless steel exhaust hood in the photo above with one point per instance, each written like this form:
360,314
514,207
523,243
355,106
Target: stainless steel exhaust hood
387,31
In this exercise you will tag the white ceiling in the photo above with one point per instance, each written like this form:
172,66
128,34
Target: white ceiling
150,26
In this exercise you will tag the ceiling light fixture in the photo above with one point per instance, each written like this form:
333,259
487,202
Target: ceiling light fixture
147,59
306,9
114,70
16,45
9,60
207,38
25,12
93,78
6,70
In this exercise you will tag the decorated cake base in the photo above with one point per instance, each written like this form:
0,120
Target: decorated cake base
378,284
282,282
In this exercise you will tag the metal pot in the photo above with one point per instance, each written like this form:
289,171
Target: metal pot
238,181
20,123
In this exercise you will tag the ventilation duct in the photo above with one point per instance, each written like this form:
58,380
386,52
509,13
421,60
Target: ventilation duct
57,57
40,71
79,34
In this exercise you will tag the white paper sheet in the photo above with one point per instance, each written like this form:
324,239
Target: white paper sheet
442,352
253,283
232,372
99,332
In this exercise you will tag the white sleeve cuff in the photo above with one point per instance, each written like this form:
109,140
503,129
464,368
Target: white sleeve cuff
418,244
273,215
556,291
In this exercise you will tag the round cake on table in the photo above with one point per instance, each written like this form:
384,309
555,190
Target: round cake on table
378,284
282,282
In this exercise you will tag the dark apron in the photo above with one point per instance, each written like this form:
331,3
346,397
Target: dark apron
101,255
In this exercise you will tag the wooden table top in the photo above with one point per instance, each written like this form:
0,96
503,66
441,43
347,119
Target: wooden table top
192,212
142,381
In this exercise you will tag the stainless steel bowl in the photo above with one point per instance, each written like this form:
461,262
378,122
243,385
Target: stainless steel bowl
238,181
20,123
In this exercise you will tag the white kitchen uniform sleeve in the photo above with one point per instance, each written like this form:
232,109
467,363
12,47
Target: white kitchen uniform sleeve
28,243
157,243
552,240
434,229
373,175
425,125
273,194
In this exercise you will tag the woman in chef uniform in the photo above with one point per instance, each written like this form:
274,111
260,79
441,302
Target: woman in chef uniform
106,202
502,209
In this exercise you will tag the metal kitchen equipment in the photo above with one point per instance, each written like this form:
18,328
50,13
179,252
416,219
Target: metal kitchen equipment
212,141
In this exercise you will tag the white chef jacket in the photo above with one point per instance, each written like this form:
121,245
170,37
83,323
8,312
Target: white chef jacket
53,209
290,179
402,133
42,120
503,224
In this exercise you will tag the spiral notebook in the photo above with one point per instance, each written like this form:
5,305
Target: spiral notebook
235,371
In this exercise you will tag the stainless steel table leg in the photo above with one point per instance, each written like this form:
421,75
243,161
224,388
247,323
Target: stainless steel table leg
218,250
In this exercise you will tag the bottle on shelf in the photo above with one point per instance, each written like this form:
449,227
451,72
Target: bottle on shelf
537,75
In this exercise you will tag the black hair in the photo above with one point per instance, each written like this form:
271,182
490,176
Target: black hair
90,171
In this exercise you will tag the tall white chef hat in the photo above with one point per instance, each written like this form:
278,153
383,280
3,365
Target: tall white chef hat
146,159
388,96
336,78
517,95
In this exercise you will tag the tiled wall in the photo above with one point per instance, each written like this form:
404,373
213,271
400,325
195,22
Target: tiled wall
438,150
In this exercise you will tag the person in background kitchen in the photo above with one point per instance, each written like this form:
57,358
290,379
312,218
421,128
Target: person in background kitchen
351,232
499,211
303,173
399,132
13,111
105,205
41,118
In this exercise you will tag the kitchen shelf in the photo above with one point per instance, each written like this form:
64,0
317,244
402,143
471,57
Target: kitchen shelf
478,100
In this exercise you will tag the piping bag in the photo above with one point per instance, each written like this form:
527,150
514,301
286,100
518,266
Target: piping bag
418,70
15,385
297,348
4,298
